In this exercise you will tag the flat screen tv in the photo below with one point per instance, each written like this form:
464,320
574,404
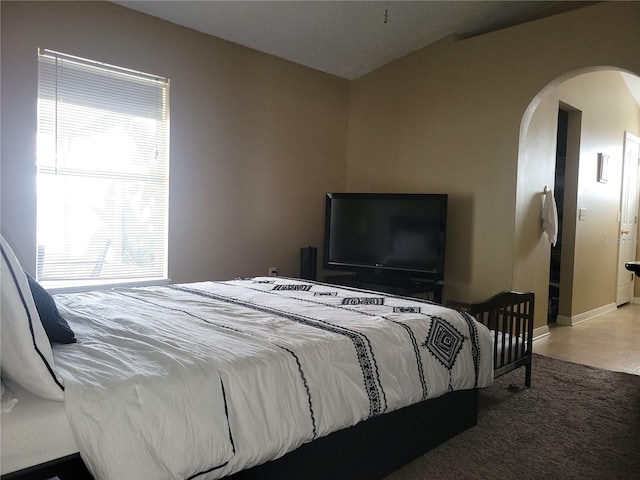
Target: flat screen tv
386,236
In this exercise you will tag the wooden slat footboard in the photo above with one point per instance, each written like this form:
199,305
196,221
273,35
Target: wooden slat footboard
509,316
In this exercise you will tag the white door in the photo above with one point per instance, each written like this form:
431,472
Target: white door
628,217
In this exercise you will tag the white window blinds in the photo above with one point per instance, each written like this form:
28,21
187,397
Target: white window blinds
102,173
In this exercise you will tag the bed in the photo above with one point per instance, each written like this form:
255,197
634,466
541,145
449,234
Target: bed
247,378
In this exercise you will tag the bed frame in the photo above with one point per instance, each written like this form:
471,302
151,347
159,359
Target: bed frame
369,450
380,445
509,316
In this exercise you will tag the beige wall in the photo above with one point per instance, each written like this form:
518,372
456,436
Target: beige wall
255,141
447,119
604,107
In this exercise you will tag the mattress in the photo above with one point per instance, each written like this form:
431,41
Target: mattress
266,363
33,432
205,379
512,345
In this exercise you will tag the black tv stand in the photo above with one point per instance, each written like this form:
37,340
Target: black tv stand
430,289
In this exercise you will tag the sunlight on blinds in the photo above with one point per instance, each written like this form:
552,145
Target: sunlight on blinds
102,173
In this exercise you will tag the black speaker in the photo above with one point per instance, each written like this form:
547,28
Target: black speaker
308,263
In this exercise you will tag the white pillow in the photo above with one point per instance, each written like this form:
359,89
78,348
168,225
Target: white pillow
26,357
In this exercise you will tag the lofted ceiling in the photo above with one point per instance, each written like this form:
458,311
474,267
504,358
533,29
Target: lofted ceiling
344,38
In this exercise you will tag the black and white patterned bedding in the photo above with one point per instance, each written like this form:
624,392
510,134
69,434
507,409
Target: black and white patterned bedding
201,380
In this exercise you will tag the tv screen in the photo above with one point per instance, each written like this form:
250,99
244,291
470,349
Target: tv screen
385,233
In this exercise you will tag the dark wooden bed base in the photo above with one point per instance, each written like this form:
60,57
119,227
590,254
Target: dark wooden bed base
369,450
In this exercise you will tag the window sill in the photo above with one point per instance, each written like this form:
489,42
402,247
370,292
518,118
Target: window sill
85,286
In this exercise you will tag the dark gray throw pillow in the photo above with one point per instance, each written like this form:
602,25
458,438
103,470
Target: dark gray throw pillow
57,328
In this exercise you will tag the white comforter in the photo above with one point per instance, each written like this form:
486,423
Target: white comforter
202,380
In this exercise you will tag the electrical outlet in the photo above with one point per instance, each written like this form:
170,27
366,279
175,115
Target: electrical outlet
273,271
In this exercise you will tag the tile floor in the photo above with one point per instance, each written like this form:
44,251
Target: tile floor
610,341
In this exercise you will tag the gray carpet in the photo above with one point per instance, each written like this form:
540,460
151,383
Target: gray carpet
575,422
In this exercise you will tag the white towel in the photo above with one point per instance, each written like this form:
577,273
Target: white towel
550,217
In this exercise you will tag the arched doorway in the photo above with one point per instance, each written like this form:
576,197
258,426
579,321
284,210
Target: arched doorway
606,104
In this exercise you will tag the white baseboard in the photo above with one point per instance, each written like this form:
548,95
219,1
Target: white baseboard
540,332
583,317
635,300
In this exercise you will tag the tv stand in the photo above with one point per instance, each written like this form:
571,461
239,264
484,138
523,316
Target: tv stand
429,289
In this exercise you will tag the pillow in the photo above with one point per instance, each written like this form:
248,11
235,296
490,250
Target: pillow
55,326
26,357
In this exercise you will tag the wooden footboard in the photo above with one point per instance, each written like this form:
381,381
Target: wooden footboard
509,316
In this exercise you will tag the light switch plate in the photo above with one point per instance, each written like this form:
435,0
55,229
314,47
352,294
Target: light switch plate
582,214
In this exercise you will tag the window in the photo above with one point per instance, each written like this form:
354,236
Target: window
102,173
